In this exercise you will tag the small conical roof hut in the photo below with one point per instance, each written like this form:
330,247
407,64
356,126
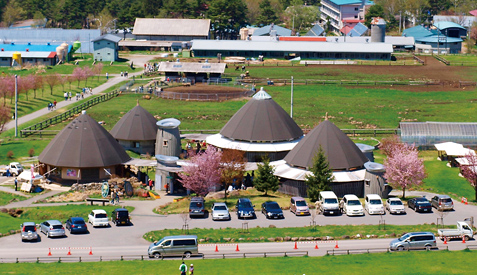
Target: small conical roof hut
342,152
261,120
137,124
83,144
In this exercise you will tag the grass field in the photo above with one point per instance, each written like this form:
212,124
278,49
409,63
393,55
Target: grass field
461,59
416,262
40,214
6,198
258,234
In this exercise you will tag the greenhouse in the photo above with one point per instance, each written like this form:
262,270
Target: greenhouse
426,134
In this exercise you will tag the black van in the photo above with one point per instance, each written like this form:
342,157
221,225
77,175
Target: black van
120,216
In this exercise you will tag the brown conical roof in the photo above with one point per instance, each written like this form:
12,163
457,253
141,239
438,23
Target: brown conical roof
261,119
137,124
342,152
83,143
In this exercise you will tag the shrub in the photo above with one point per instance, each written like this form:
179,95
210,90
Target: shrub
10,154
31,152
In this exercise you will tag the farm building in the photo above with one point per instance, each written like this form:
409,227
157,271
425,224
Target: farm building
82,152
192,71
136,131
43,36
431,40
260,128
33,54
451,29
272,30
426,134
340,11
281,49
106,47
167,29
352,171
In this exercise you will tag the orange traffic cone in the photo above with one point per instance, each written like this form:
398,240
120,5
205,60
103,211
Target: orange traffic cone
336,246
445,240
90,251
463,238
295,246
69,251
237,249
49,251
316,246
216,248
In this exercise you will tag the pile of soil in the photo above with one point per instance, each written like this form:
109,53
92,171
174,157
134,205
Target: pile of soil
204,89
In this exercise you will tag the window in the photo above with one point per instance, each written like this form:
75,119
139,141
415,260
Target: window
356,9
184,242
109,53
164,143
355,16
4,59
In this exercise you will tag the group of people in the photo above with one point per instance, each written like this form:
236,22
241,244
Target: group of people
125,74
198,147
69,95
183,269
151,67
51,105
114,197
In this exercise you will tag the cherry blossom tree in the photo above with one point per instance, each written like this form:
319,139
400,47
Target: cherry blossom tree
37,84
97,69
404,168
390,144
28,83
203,173
52,80
78,75
469,172
4,116
233,167
87,73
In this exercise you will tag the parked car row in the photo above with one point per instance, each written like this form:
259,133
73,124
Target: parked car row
54,228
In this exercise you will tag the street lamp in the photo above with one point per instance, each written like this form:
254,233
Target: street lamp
16,106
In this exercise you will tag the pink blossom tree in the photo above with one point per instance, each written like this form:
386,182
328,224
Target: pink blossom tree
87,73
78,75
203,173
52,80
97,69
404,168
28,82
390,144
469,172
5,116
37,84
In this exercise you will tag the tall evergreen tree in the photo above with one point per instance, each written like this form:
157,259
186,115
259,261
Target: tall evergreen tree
321,178
267,14
265,179
227,17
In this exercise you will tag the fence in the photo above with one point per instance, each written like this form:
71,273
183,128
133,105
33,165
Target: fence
372,250
362,82
63,116
71,259
204,96
441,59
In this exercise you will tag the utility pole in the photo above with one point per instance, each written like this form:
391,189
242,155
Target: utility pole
291,107
16,106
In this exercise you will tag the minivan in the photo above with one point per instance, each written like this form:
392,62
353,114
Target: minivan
299,206
351,206
196,207
29,231
414,240
183,245
328,203
120,216
373,204
442,202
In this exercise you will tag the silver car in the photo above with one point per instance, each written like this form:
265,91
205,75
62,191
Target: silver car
220,211
29,232
52,228
395,206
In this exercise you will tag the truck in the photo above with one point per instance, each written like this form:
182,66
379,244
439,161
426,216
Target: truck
463,231
14,168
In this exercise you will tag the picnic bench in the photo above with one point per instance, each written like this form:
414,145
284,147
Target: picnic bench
92,200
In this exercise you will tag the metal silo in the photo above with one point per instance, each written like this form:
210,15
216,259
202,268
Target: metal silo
378,30
168,139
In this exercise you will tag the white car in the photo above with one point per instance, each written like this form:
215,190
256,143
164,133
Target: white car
98,217
351,206
220,211
395,206
374,204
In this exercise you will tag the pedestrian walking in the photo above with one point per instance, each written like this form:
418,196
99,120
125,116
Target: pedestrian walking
70,96
122,74
49,106
191,269
183,268
117,197
16,184
77,96
150,184
167,188
107,76
66,95
54,104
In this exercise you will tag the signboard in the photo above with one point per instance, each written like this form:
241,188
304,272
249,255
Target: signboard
105,189
128,189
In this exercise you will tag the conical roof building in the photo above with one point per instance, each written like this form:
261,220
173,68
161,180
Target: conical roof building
83,145
261,120
260,128
136,130
342,152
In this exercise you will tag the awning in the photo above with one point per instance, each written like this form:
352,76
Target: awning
141,162
283,170
454,149
26,176
222,142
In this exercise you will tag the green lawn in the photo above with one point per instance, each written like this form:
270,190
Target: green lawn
40,214
6,198
255,233
461,59
415,262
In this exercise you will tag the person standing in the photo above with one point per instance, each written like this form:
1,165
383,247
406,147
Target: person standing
16,184
107,76
191,269
70,96
183,268
66,95
150,184
54,104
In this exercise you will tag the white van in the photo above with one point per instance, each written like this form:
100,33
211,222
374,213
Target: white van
183,245
351,206
374,204
328,203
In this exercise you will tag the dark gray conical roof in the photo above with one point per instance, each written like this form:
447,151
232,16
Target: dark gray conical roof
137,124
261,119
342,152
83,143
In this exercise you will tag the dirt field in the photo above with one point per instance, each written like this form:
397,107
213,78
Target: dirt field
204,89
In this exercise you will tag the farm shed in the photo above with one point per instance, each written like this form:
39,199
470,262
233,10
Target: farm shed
167,29
193,71
426,134
106,48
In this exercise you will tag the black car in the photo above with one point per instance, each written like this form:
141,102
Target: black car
244,208
420,204
271,209
196,207
120,216
76,225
